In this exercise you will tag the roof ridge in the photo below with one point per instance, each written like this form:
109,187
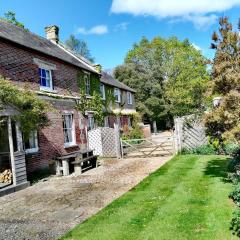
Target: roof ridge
75,53
19,35
123,85
23,29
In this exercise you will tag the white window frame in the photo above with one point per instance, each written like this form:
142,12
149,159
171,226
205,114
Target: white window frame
117,93
87,82
36,148
102,91
129,98
43,88
73,143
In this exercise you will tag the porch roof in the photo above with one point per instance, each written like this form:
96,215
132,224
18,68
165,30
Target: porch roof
8,110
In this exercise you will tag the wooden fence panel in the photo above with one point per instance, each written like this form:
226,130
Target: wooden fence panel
189,134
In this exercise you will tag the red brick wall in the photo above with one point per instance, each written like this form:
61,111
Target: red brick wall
113,119
51,142
16,63
124,120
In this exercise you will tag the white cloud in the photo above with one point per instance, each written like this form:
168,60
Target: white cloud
121,26
202,22
201,12
98,30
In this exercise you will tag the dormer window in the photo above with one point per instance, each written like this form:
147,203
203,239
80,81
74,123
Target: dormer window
129,98
45,79
117,95
87,84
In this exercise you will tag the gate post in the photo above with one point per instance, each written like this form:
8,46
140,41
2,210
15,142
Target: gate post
117,140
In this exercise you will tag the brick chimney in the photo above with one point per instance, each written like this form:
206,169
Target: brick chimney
52,33
98,67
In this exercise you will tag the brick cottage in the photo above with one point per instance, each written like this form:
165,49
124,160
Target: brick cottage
48,68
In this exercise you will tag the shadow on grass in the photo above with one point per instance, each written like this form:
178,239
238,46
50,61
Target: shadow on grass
217,168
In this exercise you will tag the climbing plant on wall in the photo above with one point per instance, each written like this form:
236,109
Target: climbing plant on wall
32,110
94,102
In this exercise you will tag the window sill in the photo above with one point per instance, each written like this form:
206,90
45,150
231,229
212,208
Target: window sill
48,90
88,96
32,151
70,145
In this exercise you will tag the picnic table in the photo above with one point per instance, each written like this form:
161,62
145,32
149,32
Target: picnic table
81,160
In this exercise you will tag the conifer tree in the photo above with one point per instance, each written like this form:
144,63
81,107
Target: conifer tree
223,122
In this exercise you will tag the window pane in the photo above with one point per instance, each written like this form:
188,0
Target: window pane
69,133
66,139
32,143
43,82
47,78
67,128
43,73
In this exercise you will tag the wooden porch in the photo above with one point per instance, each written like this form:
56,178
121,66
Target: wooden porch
12,155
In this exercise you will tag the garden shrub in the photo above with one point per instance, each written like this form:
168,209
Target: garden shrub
235,194
235,223
232,149
135,132
234,164
201,150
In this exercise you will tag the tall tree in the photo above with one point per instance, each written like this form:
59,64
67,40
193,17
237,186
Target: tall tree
11,17
170,77
223,121
80,47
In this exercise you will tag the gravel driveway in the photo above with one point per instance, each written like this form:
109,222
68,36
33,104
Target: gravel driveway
49,209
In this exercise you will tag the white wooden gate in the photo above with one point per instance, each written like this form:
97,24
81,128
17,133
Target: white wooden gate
148,147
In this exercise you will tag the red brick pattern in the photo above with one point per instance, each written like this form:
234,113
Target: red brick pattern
16,64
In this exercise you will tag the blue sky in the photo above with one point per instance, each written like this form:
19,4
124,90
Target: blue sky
111,27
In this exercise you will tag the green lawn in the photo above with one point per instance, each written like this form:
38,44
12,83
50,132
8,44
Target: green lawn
185,199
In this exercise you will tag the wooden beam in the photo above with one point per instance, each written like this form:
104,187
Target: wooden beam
11,148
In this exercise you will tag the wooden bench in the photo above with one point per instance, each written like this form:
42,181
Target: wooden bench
84,160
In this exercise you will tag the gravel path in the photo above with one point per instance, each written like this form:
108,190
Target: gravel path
49,209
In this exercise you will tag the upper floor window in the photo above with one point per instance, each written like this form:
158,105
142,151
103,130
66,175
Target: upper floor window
68,130
31,143
117,95
102,91
129,98
87,84
45,79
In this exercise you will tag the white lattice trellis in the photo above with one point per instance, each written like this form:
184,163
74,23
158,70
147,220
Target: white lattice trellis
103,141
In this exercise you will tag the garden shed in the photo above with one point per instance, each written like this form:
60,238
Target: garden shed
13,174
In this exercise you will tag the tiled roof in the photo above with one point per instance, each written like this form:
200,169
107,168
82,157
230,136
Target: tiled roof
30,40
109,80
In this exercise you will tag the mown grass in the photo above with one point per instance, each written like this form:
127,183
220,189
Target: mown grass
185,199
